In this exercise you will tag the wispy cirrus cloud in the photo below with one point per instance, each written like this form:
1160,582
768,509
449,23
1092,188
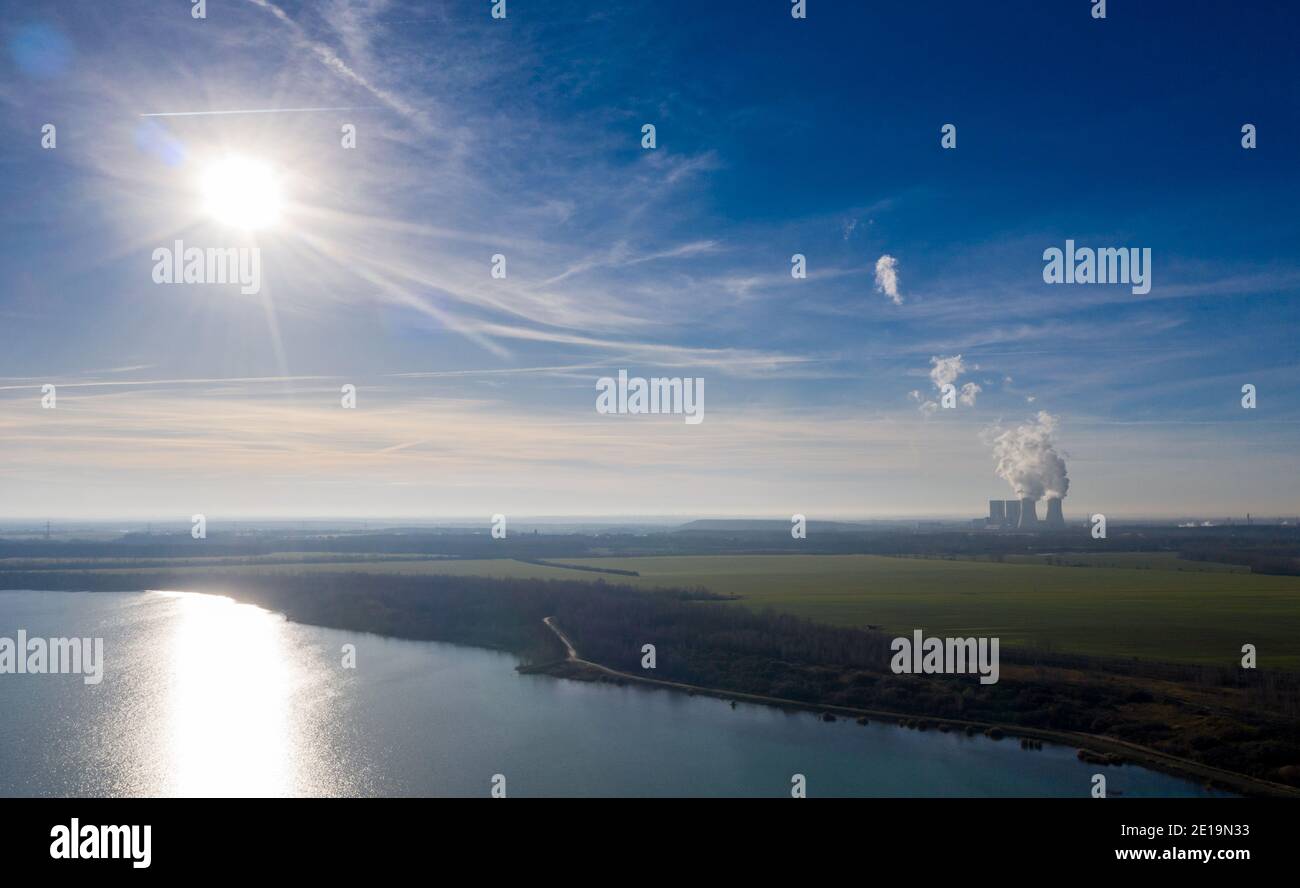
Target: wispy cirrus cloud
523,140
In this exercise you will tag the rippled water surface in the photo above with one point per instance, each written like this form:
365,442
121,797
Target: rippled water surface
203,696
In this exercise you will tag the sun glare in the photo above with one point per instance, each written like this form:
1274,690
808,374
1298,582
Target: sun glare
241,192
232,731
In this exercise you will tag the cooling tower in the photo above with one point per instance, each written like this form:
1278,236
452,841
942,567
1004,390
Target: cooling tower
1012,510
997,512
1028,514
1054,517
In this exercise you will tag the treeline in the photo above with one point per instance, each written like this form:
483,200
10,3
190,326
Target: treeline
1248,721
1277,561
495,613
1266,548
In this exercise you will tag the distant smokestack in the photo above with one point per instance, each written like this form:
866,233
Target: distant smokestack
1012,509
1054,517
1028,513
997,512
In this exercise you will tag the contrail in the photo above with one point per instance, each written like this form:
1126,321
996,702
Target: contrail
250,111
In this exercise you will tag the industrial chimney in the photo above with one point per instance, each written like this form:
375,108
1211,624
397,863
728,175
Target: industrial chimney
997,513
1054,517
1012,510
1028,514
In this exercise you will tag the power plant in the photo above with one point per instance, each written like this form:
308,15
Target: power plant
1027,460
997,512
1054,517
1022,514
1028,514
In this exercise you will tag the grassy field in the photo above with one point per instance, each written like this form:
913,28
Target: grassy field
1156,608
1198,616
1135,560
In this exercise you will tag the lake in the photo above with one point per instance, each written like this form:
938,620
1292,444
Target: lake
202,696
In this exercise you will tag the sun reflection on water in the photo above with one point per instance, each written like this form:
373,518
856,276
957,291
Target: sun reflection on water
228,726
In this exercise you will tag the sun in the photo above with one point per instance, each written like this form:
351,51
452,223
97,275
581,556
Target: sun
241,192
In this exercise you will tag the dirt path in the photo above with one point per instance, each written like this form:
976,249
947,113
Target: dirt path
1144,755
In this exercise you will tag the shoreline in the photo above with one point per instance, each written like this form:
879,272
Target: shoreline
1216,778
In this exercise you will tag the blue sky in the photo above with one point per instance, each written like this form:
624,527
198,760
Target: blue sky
523,137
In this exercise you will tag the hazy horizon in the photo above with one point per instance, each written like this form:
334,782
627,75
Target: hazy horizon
221,523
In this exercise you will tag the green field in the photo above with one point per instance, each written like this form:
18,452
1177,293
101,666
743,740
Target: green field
1198,616
1164,609
1159,608
1135,560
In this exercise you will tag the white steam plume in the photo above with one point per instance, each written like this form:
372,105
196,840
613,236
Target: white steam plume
1028,461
